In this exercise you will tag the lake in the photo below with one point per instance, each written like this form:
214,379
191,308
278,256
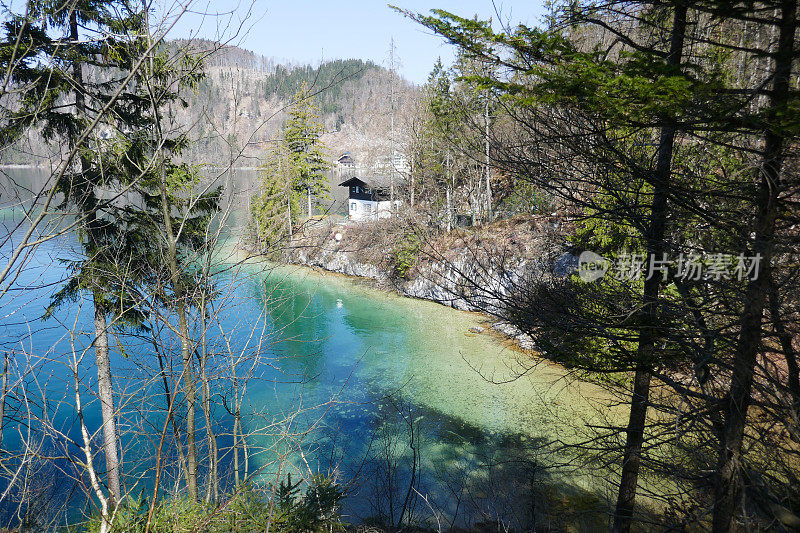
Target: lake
396,398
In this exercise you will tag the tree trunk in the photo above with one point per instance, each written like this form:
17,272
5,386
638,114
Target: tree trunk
104,384
449,215
168,401
212,494
281,166
186,347
191,398
727,487
631,461
105,391
3,402
488,167
449,180
309,202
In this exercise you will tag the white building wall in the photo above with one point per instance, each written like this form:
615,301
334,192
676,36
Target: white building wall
370,210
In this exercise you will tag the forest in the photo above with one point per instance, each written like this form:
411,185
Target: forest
617,186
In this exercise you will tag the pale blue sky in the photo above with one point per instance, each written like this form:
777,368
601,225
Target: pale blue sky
307,31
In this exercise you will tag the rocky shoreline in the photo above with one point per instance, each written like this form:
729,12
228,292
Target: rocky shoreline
470,271
419,287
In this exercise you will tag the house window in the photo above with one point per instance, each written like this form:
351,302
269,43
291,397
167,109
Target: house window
353,206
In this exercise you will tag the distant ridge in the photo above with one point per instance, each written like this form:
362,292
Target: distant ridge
238,108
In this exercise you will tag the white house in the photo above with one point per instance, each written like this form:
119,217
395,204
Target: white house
345,165
370,199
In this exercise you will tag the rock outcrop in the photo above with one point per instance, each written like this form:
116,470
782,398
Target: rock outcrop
476,270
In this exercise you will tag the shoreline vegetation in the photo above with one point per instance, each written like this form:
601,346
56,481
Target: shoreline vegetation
608,198
369,251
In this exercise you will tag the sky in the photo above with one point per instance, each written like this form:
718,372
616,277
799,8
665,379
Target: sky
311,31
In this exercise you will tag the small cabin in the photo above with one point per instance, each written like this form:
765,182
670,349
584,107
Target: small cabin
369,198
345,165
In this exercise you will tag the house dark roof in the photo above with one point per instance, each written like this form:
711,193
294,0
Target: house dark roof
379,181
345,159
351,182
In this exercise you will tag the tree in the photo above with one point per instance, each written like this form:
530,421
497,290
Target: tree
301,138
178,207
95,171
294,170
602,128
559,60
274,209
770,201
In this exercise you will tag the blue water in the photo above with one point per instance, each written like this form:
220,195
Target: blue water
336,378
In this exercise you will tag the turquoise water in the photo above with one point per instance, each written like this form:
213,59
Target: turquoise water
408,375
418,417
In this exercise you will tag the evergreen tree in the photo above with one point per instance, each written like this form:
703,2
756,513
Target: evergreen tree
611,129
112,45
275,209
294,173
308,161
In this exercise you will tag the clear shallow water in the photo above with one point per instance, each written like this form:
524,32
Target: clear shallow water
380,391
396,366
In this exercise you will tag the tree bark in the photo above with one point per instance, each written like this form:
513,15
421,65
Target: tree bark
105,391
212,494
104,383
186,347
631,462
488,165
727,488
3,401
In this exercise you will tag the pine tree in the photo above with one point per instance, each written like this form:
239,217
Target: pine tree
613,119
275,209
294,173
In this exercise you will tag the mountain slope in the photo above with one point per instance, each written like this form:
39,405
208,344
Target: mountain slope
238,109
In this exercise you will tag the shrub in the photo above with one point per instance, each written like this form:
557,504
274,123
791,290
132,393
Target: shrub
406,254
246,509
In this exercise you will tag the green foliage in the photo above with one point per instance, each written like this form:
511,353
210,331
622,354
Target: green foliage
307,159
330,76
638,87
246,509
314,510
101,164
293,169
277,205
406,254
